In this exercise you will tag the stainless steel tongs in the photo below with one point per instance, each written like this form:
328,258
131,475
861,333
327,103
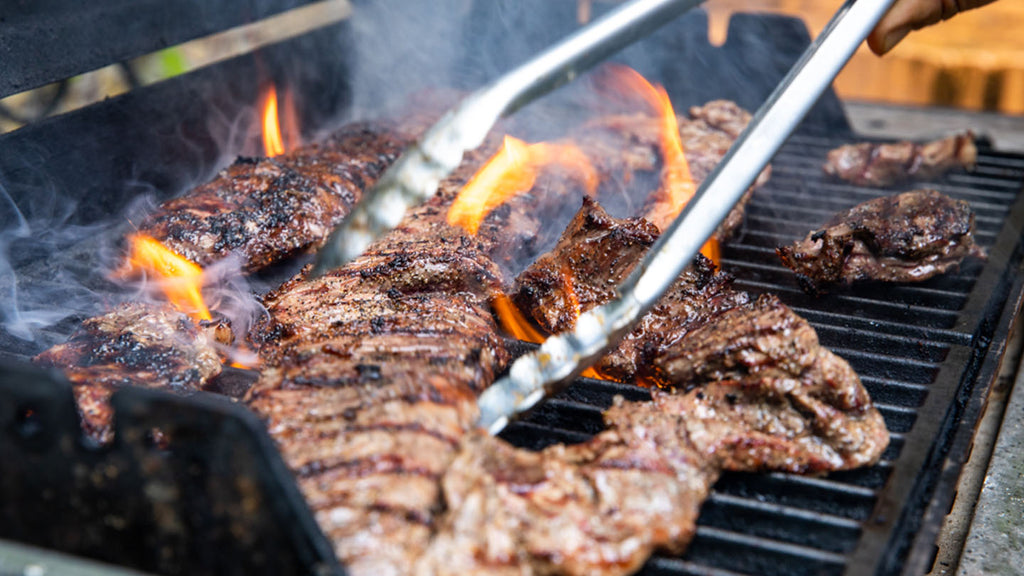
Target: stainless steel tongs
562,357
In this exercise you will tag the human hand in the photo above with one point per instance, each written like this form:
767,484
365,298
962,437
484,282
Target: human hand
908,15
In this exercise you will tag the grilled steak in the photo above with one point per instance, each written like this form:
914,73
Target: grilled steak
773,400
591,259
882,165
148,345
268,209
908,237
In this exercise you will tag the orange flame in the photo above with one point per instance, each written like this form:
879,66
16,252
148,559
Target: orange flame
677,185
515,323
180,279
512,171
273,143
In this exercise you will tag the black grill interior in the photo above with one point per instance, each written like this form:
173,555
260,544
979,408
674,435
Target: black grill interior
897,337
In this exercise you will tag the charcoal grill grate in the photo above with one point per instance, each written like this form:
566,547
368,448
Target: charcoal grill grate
899,339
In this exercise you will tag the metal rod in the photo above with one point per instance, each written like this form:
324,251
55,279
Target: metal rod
562,357
416,175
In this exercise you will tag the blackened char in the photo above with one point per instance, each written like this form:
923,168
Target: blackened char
908,237
264,210
882,165
147,345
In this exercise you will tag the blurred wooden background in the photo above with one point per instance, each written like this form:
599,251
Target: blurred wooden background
974,61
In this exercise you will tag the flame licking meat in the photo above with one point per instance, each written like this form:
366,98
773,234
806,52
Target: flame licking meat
180,280
512,171
677,184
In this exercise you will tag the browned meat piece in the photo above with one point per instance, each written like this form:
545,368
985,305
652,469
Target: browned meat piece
148,345
908,237
265,210
591,259
724,115
633,141
882,165
784,401
775,401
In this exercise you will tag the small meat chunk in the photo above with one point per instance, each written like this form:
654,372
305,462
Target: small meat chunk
908,237
882,165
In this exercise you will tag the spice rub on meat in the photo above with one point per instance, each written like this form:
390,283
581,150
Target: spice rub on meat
882,165
908,237
267,209
147,345
604,506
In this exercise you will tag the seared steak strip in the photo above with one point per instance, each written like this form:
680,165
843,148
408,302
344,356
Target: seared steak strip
882,165
756,393
148,345
268,209
908,237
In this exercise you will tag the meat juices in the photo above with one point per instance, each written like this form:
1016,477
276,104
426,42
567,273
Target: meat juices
908,237
883,165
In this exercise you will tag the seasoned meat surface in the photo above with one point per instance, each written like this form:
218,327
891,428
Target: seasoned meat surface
882,165
371,375
268,209
908,237
147,345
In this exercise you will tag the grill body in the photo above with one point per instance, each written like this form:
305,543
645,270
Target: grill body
928,353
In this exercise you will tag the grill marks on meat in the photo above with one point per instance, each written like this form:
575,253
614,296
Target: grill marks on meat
148,345
775,403
370,381
882,165
268,209
908,237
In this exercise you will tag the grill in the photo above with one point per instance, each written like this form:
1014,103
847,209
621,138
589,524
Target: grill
216,498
